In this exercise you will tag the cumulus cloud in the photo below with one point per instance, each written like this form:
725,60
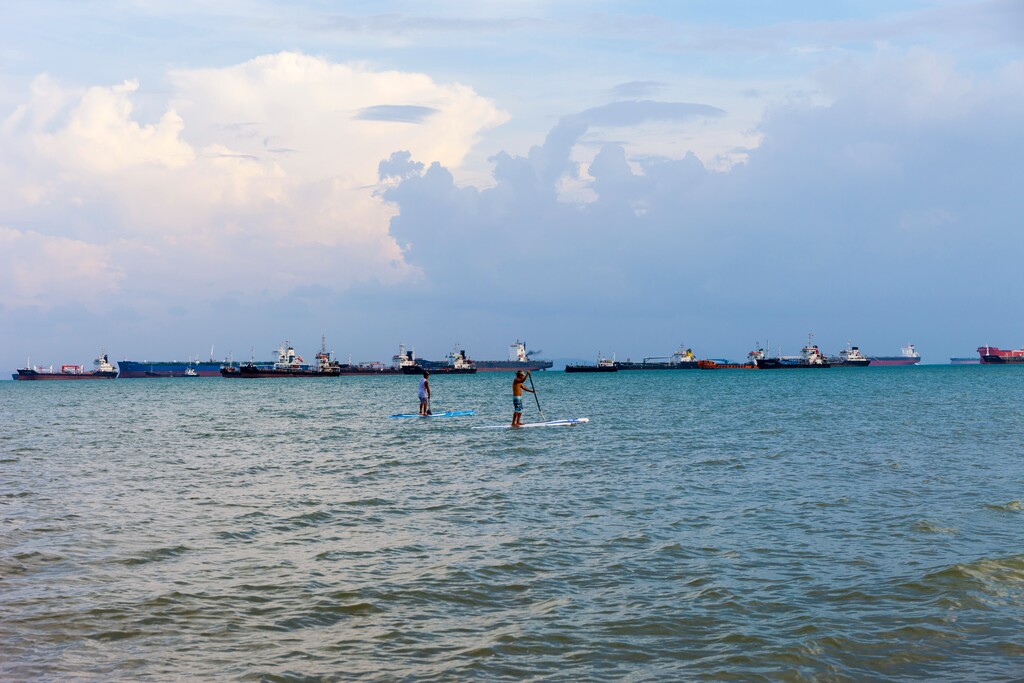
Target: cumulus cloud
880,190
257,175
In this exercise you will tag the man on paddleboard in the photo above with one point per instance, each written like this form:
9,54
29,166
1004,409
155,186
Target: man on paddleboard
517,397
424,394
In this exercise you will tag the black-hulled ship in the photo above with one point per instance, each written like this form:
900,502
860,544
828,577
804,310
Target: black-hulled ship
518,359
455,363
602,365
683,359
102,369
288,364
850,357
810,357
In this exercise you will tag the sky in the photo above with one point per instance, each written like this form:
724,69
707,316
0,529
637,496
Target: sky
599,176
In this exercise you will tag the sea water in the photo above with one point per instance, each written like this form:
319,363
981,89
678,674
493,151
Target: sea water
843,524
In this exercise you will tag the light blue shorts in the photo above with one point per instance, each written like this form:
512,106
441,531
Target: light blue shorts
517,404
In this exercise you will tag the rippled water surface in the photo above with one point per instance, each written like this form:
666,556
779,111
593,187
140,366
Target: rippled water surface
849,524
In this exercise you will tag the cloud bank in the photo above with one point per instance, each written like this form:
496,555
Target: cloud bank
255,176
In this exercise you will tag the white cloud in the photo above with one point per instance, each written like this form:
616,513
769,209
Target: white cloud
44,271
257,175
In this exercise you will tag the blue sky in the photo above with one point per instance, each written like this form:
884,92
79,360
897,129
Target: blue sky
613,176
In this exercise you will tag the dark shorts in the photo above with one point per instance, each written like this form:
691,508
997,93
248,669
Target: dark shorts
517,404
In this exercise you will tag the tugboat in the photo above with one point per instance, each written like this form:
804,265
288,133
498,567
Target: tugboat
603,365
102,369
850,357
810,357
683,359
288,364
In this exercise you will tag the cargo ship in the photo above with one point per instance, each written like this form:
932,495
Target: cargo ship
908,356
288,364
134,369
850,357
102,369
971,360
810,357
455,363
683,359
993,355
518,359
371,369
603,365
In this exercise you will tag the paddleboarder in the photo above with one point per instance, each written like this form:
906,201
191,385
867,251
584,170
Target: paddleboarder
424,394
517,396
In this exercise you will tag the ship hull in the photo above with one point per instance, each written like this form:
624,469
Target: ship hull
363,371
715,365
877,361
35,375
444,370
779,364
685,365
511,365
965,361
590,368
1001,360
248,372
131,369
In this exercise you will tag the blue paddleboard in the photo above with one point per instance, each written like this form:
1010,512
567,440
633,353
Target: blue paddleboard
450,413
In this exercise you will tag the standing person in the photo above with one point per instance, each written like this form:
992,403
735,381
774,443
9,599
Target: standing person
424,394
517,397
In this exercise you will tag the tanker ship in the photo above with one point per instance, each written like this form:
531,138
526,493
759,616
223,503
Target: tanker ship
102,369
140,369
810,357
288,364
455,363
908,356
518,359
683,359
993,355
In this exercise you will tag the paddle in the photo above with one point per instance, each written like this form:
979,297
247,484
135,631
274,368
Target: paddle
535,396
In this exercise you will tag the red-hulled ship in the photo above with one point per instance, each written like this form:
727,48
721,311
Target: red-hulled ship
993,355
102,369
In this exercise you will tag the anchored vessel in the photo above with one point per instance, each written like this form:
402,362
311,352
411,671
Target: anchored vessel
721,364
102,369
992,355
850,357
961,360
683,359
908,356
810,357
518,359
603,365
288,364
455,363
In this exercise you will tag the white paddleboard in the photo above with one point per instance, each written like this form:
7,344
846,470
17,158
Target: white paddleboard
450,413
549,423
